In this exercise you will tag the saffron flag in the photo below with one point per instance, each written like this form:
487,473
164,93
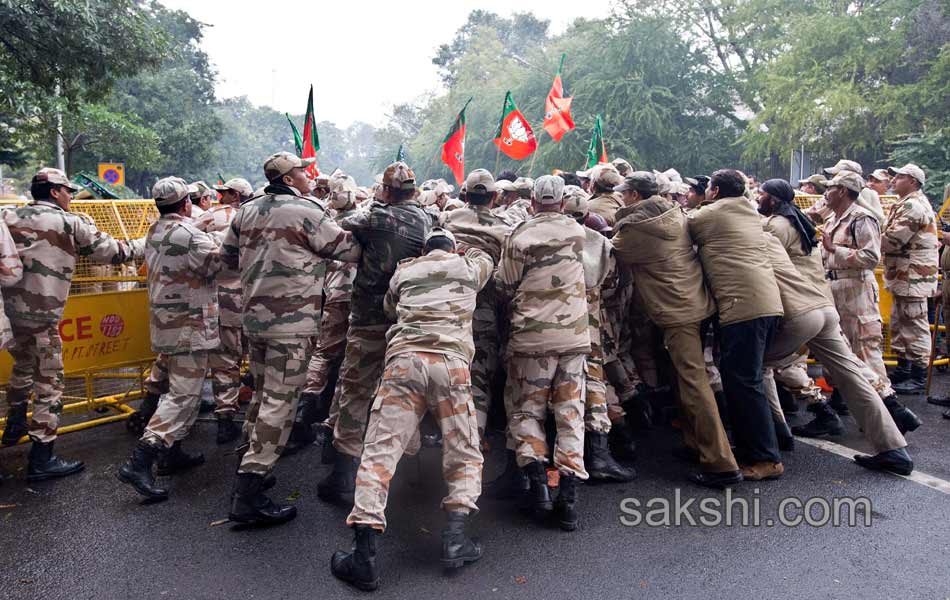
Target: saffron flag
515,138
453,147
557,108
311,141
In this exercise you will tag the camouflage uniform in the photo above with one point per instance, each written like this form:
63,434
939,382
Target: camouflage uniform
597,261
226,362
388,233
909,244
11,271
429,350
850,271
281,242
541,276
49,240
477,227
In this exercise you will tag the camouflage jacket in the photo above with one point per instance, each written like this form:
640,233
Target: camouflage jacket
850,268
431,299
49,240
868,199
606,205
909,244
281,243
338,286
541,277
11,271
388,234
597,263
217,219
182,263
516,212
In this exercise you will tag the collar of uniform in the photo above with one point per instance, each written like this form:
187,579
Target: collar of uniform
174,217
49,202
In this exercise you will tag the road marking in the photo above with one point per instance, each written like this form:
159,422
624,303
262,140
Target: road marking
934,483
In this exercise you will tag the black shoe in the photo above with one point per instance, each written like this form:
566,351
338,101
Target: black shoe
639,408
176,460
301,436
716,480
138,471
826,422
685,453
512,483
43,464
228,430
16,426
893,461
138,421
904,418
945,401
837,404
786,400
565,507
341,482
786,441
600,464
268,482
622,442
902,372
207,405
915,383
328,451
537,499
457,548
358,567
250,506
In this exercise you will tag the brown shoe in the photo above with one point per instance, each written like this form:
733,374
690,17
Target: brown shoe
762,470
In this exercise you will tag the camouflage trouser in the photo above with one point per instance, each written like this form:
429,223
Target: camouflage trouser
38,364
157,380
535,383
857,304
795,378
329,348
225,366
411,384
484,366
595,398
910,329
279,368
178,408
359,376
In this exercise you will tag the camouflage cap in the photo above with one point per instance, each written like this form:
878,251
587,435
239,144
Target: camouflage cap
641,181
281,163
503,185
200,189
549,189
848,180
909,169
663,183
239,185
452,204
439,232
622,166
523,183
443,187
673,175
845,165
606,176
575,201
480,180
880,175
398,175
428,197
816,180
169,190
55,177
342,191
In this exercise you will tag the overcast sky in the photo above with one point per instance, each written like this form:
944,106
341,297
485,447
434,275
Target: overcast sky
371,53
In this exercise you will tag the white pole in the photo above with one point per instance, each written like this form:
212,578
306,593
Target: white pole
60,151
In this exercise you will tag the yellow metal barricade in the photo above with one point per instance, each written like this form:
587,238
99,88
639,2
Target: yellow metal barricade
106,345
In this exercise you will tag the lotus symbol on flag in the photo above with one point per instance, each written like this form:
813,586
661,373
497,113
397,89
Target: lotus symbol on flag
517,131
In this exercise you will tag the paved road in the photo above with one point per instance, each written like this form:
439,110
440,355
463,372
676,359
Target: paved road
90,537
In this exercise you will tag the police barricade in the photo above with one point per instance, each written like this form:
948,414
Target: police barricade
885,299
106,346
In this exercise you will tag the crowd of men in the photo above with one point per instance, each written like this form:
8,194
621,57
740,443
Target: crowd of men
570,312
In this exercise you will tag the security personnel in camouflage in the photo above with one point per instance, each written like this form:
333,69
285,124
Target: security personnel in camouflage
541,280
182,262
392,229
49,240
11,271
428,353
909,244
281,241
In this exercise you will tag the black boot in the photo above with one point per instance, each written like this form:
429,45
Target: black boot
902,372
250,506
622,442
894,461
176,460
302,434
228,430
786,441
328,452
565,505
537,499
837,404
512,483
138,420
341,482
358,567
138,471
915,383
457,548
786,400
43,464
600,464
826,422
17,425
639,408
903,417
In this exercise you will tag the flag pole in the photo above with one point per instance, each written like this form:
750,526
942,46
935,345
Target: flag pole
534,155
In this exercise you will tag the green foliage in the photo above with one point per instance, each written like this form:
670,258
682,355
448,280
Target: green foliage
929,151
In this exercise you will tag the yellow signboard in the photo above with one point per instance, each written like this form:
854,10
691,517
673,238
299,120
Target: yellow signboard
113,173
99,331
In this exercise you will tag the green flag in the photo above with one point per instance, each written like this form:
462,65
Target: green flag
298,143
597,151
401,154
